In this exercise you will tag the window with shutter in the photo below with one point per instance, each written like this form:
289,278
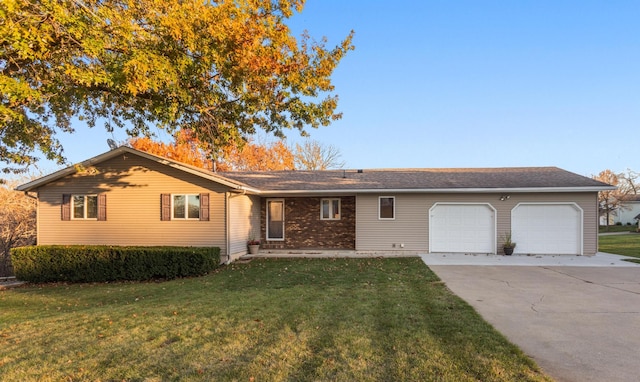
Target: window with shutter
102,207
165,207
66,207
204,207
184,207
81,207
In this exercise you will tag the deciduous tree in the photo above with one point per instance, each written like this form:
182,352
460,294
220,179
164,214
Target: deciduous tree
273,156
223,68
185,149
244,156
313,155
609,201
17,222
629,182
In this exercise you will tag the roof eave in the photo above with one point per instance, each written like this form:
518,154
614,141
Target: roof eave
124,149
71,169
436,190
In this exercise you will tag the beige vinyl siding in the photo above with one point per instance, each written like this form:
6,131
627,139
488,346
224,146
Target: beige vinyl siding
409,226
244,222
133,186
411,223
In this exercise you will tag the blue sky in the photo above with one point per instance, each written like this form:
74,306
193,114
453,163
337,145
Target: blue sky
473,84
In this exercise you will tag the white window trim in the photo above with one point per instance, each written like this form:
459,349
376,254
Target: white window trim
84,213
394,207
268,216
331,212
186,207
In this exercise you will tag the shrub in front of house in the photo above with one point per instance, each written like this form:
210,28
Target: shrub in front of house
79,263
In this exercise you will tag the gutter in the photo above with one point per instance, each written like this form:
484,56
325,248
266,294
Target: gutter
26,193
242,190
436,190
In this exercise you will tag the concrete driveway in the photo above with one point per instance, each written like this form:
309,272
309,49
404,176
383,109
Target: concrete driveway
579,323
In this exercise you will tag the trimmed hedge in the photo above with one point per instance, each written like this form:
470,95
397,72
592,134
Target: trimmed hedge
79,263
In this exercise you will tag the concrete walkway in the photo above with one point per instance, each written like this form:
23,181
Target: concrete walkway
600,259
580,321
10,283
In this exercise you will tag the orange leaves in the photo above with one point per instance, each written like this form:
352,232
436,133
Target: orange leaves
185,149
256,157
247,156
224,68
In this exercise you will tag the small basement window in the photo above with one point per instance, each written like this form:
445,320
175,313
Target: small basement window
330,209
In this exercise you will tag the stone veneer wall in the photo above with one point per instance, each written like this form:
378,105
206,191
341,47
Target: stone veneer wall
305,230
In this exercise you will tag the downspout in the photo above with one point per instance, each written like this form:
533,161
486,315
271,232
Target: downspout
227,198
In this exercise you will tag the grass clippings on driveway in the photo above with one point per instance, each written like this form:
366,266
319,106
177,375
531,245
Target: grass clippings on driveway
268,320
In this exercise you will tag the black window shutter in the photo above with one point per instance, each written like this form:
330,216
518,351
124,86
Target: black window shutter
66,207
102,207
204,207
165,207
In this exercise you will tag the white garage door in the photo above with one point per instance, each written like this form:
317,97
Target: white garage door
547,229
465,228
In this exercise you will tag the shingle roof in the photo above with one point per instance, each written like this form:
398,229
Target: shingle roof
423,179
398,180
631,198
122,150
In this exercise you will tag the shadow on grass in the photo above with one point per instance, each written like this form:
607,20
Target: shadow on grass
270,319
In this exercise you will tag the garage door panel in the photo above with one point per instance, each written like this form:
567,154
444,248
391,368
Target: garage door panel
467,228
547,229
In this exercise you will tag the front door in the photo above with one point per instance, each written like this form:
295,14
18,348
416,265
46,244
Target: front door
275,219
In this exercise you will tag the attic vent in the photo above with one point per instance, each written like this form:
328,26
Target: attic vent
360,171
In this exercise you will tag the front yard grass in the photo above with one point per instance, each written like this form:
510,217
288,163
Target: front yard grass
626,245
267,320
617,228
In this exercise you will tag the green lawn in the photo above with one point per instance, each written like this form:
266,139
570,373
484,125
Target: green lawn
268,320
627,245
617,228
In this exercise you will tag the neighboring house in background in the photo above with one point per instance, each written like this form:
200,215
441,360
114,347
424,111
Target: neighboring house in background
129,197
628,210
603,219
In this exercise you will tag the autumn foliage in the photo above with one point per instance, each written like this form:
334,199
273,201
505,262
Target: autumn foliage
247,156
611,200
17,223
185,149
223,68
256,157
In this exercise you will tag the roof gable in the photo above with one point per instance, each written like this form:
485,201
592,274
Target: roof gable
128,150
